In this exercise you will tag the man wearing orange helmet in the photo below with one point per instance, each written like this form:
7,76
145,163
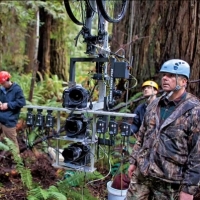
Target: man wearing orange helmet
149,89
11,101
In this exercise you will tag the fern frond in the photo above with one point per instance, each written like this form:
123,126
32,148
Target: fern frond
53,188
32,198
26,178
3,147
32,137
12,147
56,196
38,193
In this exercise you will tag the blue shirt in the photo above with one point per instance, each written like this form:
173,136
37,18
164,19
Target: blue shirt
15,99
137,120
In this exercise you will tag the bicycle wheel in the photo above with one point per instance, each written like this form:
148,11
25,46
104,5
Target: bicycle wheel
76,10
92,4
112,10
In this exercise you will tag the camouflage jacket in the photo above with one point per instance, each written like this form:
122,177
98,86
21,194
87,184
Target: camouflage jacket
171,151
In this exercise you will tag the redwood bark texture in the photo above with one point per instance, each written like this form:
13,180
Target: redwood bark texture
155,31
44,42
58,54
30,45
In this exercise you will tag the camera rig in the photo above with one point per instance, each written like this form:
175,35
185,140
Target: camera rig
108,67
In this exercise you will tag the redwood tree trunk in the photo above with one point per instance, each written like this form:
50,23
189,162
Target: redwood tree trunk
44,42
158,31
58,52
52,54
30,46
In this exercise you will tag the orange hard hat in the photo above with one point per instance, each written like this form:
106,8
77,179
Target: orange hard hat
4,76
150,83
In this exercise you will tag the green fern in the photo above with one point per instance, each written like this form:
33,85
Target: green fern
26,177
32,198
32,137
65,189
50,194
38,193
79,179
3,147
56,196
25,173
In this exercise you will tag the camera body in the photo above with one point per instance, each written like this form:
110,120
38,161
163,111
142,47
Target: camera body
76,126
75,97
77,153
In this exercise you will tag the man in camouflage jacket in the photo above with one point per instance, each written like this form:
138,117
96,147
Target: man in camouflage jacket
165,162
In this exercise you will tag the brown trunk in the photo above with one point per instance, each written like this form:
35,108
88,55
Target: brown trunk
58,51
161,30
44,42
33,79
30,46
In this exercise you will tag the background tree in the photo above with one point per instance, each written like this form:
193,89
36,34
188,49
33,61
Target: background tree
155,31
19,41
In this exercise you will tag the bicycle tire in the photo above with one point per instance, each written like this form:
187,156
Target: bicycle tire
75,9
92,4
108,9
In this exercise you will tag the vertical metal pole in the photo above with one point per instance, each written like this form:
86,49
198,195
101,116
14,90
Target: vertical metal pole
88,24
101,83
93,142
57,140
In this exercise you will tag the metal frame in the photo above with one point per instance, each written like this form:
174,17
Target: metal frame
92,141
73,61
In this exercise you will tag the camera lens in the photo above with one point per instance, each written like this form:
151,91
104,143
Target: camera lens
76,96
72,153
73,126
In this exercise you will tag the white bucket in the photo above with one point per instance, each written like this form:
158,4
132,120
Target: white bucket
115,194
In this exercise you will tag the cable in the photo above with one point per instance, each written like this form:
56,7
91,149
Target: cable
106,174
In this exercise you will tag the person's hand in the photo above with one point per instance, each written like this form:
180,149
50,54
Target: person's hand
131,169
4,106
185,196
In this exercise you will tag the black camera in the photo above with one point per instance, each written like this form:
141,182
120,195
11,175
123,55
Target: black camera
30,118
77,153
76,126
75,97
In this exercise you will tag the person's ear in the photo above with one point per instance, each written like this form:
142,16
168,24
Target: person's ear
184,82
155,92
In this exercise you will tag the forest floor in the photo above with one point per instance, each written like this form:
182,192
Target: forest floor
42,172
40,164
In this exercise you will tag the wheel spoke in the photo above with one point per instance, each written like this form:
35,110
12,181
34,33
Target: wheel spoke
76,10
112,10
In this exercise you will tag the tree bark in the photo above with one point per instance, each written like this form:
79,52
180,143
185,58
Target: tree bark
44,42
30,45
158,31
58,52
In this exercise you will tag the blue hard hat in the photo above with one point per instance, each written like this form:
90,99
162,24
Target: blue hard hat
176,66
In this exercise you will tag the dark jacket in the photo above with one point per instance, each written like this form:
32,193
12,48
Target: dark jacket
15,98
171,151
137,120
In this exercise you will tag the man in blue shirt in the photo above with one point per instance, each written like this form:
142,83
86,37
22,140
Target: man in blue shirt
150,90
11,101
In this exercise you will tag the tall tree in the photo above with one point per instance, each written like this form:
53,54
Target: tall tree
44,42
58,50
52,44
155,31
